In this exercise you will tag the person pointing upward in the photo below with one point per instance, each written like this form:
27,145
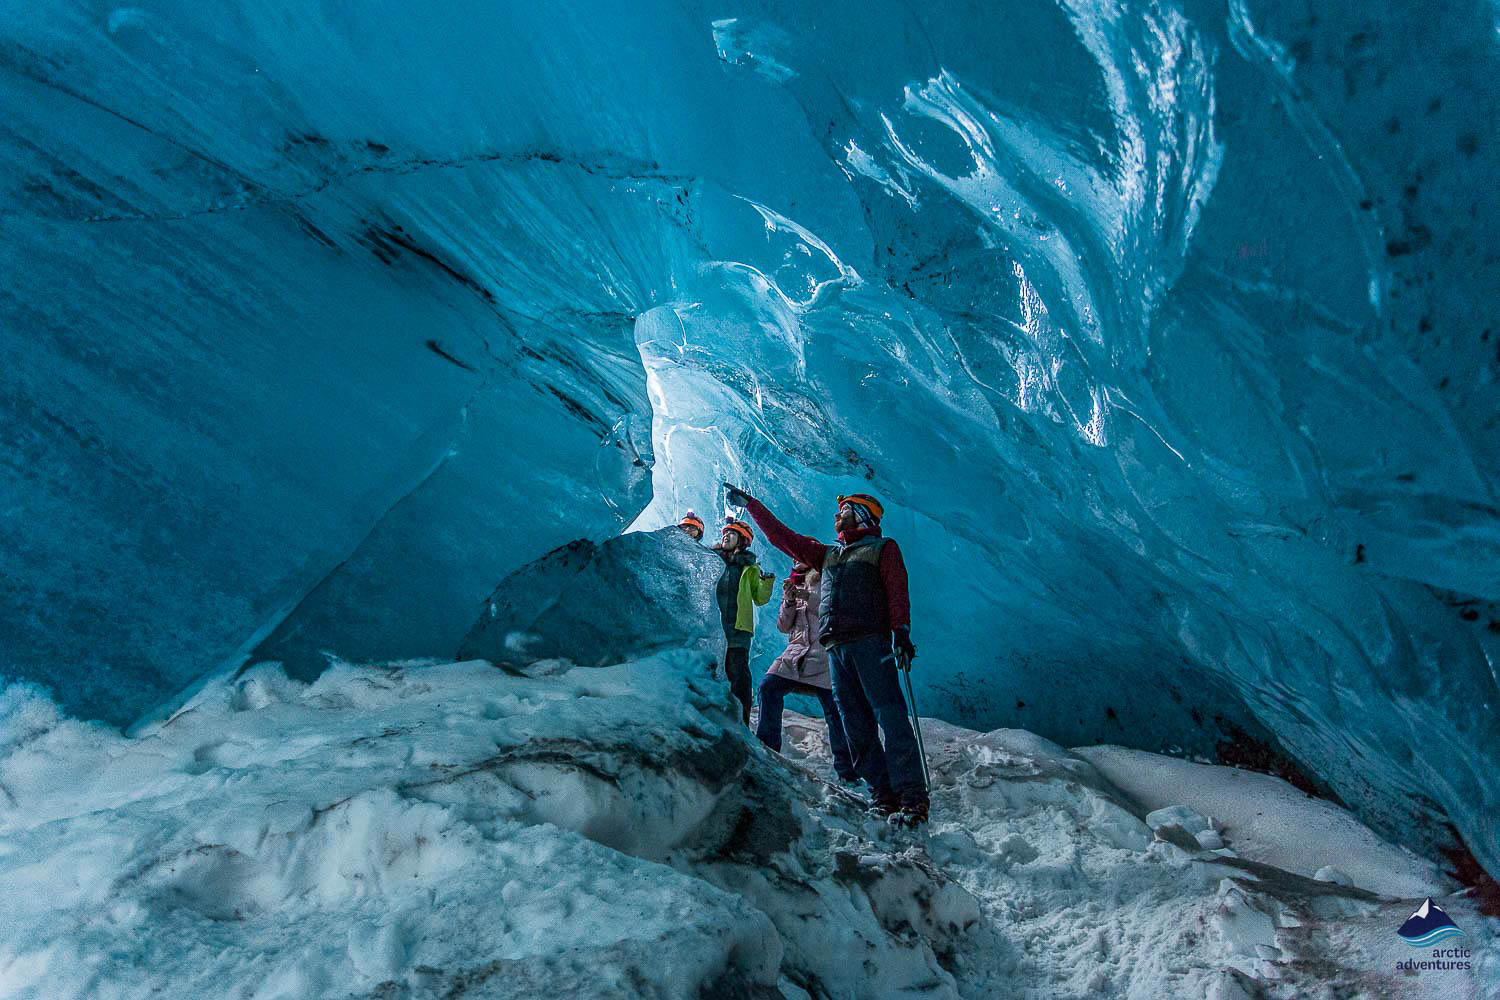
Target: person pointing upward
864,611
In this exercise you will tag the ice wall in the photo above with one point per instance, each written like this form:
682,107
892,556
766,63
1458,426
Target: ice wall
1160,328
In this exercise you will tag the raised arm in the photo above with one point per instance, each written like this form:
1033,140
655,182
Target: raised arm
799,547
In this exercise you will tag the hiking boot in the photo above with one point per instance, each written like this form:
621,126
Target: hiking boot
885,805
909,815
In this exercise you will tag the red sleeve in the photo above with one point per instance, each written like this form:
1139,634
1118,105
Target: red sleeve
893,574
799,547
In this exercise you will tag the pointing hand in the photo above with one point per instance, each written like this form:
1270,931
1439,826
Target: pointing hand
737,496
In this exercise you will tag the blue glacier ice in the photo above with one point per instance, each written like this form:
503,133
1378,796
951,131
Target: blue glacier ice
1163,330
594,605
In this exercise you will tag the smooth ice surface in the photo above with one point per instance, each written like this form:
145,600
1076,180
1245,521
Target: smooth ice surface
453,830
1162,329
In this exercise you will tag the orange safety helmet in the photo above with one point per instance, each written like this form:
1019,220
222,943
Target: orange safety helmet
691,520
742,529
869,503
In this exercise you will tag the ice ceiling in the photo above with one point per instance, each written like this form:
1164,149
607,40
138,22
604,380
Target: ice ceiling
1164,331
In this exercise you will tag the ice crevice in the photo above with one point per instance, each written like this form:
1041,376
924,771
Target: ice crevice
597,166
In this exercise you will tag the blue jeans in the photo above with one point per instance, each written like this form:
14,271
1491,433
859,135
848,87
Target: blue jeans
773,691
869,694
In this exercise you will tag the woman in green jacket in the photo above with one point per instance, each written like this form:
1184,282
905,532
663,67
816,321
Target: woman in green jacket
741,586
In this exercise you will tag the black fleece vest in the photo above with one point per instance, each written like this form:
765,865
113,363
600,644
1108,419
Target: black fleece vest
853,602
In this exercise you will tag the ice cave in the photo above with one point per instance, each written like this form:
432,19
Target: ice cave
360,360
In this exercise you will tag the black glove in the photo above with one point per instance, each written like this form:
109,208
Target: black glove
901,640
737,496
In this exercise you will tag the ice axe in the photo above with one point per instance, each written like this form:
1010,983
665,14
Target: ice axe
903,664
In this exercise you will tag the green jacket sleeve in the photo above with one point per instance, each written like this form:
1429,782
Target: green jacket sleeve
761,588
753,590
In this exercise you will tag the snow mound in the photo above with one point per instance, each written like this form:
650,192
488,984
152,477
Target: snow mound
1098,893
1264,819
446,830
419,829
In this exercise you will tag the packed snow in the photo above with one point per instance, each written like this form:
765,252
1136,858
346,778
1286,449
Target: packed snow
452,829
1266,819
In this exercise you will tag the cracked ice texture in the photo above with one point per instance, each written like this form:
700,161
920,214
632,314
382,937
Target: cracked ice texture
1160,329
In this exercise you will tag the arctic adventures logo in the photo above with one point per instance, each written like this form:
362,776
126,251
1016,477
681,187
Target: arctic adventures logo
1428,926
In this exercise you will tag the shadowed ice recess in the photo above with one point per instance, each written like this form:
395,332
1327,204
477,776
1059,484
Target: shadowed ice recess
1161,330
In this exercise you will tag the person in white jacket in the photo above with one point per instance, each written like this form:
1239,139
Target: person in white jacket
802,669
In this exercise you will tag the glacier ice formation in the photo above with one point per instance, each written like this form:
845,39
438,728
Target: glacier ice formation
1161,328
593,605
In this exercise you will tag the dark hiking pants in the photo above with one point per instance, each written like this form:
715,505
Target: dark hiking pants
737,669
773,691
869,696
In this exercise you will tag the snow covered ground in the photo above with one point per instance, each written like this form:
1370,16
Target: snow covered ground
455,830
1268,820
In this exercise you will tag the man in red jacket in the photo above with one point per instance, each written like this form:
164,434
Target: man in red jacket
864,610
